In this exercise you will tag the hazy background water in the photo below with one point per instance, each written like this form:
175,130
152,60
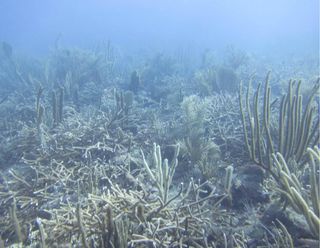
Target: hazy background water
262,26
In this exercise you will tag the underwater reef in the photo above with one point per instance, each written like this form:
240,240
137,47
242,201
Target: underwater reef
98,150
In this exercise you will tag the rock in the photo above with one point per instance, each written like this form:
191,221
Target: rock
295,225
247,186
227,80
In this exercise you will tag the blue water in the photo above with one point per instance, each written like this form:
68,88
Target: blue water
285,26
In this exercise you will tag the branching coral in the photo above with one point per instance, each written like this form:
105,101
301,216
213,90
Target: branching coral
303,201
284,155
297,128
70,192
163,174
91,187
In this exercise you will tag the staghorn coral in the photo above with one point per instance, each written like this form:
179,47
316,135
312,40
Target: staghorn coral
90,187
